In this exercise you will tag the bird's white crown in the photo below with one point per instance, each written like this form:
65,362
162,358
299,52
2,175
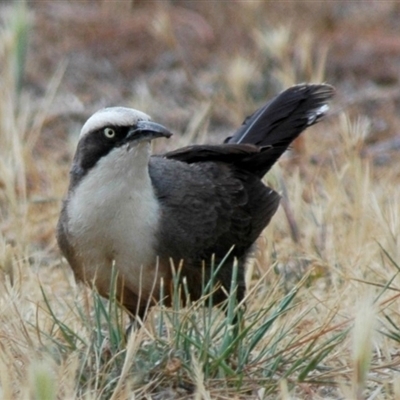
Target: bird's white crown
113,116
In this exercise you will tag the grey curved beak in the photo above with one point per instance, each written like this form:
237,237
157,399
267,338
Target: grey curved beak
147,130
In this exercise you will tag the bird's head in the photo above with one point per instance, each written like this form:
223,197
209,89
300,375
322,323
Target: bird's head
114,132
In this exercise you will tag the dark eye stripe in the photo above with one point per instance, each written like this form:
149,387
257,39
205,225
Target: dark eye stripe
93,146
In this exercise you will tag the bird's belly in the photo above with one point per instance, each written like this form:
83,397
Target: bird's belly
141,275
115,228
138,270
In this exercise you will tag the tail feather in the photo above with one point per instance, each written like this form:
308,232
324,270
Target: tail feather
265,135
284,117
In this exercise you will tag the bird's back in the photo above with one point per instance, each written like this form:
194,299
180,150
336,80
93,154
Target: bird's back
206,209
217,203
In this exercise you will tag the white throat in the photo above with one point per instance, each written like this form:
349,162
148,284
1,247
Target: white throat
113,212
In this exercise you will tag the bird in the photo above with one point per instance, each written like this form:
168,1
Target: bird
198,206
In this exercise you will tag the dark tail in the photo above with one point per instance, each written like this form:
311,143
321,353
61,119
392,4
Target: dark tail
265,135
284,117
280,121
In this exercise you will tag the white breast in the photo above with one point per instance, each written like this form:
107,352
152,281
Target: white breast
113,216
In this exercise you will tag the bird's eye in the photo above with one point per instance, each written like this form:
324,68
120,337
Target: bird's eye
109,133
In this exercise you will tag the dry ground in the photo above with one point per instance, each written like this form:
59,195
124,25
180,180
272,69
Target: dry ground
199,67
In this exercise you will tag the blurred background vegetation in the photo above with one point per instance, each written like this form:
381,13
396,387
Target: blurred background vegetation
199,67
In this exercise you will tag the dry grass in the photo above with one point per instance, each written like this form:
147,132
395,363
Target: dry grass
322,319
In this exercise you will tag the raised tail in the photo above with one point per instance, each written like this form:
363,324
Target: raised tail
284,117
265,135
274,126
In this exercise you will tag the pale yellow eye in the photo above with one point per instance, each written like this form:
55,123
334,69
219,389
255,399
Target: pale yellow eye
109,133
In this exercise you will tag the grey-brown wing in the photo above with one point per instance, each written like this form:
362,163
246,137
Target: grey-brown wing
208,208
227,152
